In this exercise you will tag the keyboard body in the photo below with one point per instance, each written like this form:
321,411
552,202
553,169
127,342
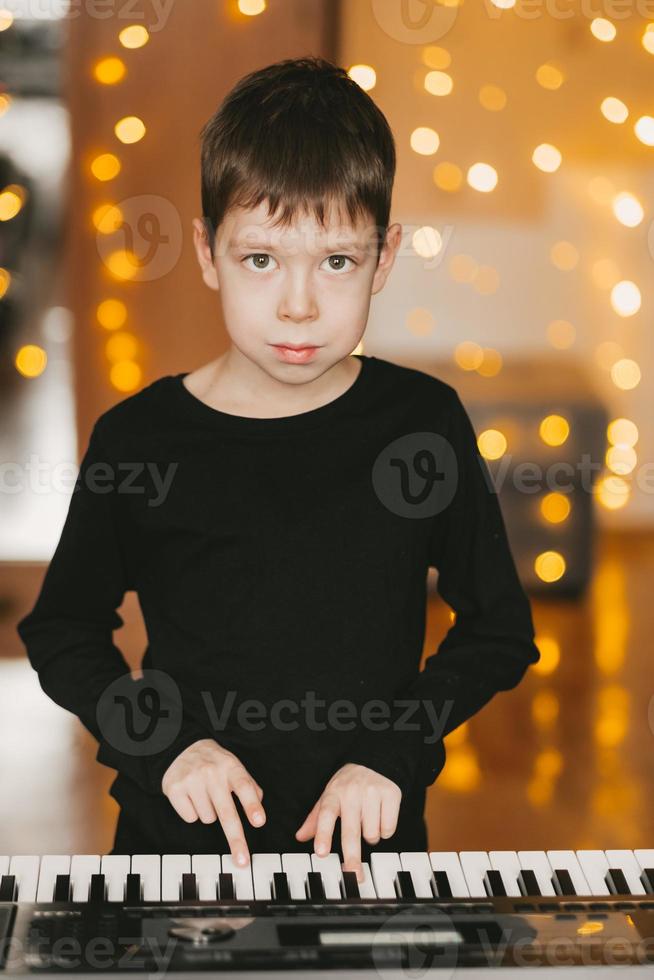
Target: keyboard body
414,913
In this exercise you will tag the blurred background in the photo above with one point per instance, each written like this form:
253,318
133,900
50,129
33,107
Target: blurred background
524,186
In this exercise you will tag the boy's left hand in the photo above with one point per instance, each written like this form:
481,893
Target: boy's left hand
365,801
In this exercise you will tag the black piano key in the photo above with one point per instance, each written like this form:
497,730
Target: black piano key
528,883
133,888
563,882
97,889
62,889
280,889
8,888
404,885
617,882
189,886
315,887
442,885
226,890
493,883
647,879
350,885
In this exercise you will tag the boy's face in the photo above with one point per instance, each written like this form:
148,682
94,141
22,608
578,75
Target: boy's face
304,286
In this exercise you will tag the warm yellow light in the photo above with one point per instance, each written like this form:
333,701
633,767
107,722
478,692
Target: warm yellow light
427,242
109,71
111,314
545,708
5,102
625,374
614,110
561,334
612,492
425,140
546,157
555,507
31,360
364,75
438,83
486,281
607,353
492,97
468,355
131,129
134,36
482,177
601,190
550,566
625,298
121,346
549,76
504,4
11,201
107,219
622,432
105,167
621,459
435,57
550,655
5,281
603,29
564,256
6,19
491,363
251,8
462,268
448,176
549,762
644,130
554,430
605,273
648,38
492,443
125,375
628,209
123,264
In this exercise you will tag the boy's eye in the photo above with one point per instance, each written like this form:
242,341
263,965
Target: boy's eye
260,260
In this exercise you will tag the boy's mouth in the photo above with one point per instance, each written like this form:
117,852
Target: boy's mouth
294,353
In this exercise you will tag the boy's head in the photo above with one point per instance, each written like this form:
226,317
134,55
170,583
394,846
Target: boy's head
298,166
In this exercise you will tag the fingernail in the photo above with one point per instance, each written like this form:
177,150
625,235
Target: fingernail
321,849
258,816
241,859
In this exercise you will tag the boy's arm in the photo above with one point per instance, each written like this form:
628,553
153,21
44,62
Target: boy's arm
491,643
68,633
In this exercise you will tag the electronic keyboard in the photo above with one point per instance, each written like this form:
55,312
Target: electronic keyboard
175,913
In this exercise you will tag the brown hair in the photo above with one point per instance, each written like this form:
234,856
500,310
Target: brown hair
300,133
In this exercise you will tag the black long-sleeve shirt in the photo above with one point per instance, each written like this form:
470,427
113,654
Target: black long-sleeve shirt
281,562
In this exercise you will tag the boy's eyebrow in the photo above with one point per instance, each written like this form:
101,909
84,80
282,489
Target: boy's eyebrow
235,243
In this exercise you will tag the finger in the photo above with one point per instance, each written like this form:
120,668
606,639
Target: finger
308,828
371,817
327,816
244,787
183,805
351,838
232,827
201,800
390,807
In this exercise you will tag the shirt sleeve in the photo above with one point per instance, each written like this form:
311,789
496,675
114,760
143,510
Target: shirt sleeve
68,633
489,646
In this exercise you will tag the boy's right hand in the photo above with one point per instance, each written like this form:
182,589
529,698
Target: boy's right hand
199,784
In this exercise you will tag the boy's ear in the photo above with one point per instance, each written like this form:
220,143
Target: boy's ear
387,255
203,252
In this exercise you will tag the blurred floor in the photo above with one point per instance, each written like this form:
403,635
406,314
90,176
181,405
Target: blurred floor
562,761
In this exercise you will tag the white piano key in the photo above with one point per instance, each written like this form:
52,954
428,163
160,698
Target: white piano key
329,866
206,868
448,861
297,867
626,861
115,868
384,866
568,860
419,866
537,862
51,866
508,864
645,858
82,866
173,866
475,864
594,866
243,883
148,866
25,868
263,868
367,886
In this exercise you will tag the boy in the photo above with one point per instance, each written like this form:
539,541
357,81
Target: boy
283,505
